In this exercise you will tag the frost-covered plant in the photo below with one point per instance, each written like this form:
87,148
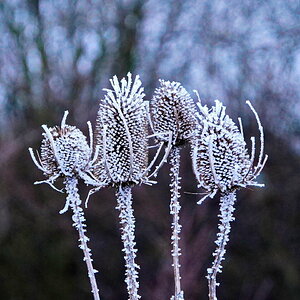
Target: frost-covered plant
221,162
173,110
65,153
122,162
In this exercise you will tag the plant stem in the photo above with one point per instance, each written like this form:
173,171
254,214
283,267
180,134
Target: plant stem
124,199
176,227
226,211
78,219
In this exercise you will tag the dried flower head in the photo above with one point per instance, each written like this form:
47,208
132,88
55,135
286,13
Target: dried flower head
220,158
122,129
173,110
64,153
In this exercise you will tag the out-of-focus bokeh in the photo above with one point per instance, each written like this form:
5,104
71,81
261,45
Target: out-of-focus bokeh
57,55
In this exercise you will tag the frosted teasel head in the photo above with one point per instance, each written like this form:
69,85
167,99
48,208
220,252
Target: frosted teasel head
64,153
173,110
122,134
221,161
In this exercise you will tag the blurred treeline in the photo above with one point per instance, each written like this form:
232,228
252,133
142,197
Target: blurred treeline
59,54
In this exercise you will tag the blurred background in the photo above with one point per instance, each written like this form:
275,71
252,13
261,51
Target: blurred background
57,55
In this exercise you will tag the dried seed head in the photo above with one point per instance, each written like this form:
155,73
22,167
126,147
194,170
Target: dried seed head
122,132
64,150
173,110
64,153
220,157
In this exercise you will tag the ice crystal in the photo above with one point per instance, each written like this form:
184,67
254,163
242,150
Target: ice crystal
173,110
65,153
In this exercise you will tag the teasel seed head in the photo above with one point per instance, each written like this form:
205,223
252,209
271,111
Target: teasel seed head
173,110
221,161
122,129
64,153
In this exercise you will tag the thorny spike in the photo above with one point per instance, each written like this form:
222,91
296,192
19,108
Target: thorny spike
241,127
90,134
211,195
198,96
154,158
35,160
167,151
261,130
63,121
49,182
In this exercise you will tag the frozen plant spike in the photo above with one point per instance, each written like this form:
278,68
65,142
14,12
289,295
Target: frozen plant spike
173,110
122,138
221,162
65,153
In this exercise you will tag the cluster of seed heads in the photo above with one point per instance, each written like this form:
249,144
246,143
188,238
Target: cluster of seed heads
118,156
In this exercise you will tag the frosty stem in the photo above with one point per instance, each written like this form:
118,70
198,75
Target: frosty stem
78,218
124,199
226,210
176,227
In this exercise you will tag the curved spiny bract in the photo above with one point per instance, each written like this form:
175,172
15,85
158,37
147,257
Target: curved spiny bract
122,130
221,162
173,110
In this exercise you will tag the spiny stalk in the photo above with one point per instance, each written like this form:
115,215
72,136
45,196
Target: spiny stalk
127,221
79,219
176,227
226,217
